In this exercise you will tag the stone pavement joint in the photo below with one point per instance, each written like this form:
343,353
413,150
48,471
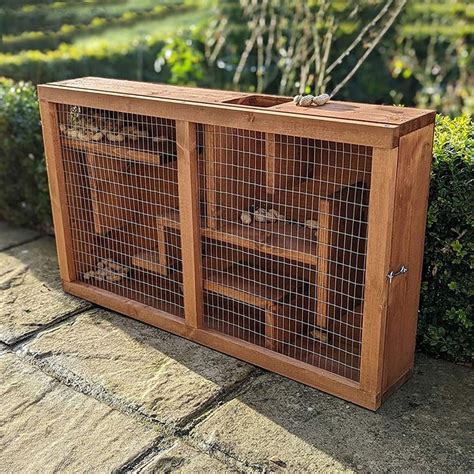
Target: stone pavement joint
52,325
31,296
189,423
136,368
47,427
144,456
26,241
182,458
96,391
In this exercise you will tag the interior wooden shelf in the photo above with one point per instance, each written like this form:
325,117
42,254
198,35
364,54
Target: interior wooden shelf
117,151
149,260
251,286
280,239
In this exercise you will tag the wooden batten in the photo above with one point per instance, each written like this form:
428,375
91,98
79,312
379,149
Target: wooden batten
57,189
380,227
264,120
180,214
190,221
324,256
210,145
270,156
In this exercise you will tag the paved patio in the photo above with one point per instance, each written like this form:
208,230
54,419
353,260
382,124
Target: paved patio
86,390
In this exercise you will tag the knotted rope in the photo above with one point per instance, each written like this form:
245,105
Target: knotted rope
308,100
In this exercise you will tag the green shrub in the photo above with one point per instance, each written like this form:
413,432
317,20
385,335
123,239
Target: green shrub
23,185
446,319
445,325
184,63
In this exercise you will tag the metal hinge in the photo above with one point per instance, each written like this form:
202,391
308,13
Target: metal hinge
393,274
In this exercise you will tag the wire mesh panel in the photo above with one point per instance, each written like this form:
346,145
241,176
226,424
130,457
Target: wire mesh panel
284,230
122,196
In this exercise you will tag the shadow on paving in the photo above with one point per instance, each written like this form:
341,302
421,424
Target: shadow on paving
425,426
272,423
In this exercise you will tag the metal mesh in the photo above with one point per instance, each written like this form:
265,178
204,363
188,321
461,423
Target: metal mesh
284,242
121,183
283,228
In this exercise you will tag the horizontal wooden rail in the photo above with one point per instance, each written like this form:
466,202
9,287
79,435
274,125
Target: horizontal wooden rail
236,116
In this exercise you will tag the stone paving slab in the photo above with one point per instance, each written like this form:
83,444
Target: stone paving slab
183,459
161,375
11,236
48,427
280,424
30,290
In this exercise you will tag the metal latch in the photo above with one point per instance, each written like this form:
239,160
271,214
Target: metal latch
393,274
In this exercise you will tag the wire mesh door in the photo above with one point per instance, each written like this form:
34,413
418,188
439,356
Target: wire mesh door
122,196
284,242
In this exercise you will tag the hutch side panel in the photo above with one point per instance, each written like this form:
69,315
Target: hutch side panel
409,219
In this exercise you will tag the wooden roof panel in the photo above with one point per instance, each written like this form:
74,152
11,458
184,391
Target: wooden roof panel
365,124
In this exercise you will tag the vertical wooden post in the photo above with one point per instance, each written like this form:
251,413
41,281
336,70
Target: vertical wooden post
57,190
324,254
380,223
210,170
162,256
188,188
270,155
270,326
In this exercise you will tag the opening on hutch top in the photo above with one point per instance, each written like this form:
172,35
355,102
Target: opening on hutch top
259,101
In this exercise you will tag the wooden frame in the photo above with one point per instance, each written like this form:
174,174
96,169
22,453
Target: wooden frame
400,141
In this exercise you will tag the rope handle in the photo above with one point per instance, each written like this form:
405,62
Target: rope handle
308,100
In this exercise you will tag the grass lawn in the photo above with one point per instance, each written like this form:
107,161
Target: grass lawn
165,26
42,18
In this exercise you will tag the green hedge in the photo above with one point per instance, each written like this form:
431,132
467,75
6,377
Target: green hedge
446,319
23,185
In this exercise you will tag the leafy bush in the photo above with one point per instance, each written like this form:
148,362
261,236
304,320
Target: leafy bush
185,63
23,185
445,326
446,316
